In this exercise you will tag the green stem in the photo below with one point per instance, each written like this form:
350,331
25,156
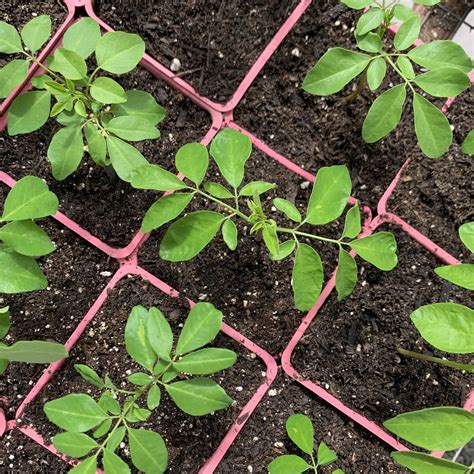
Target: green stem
437,360
43,66
294,232
407,82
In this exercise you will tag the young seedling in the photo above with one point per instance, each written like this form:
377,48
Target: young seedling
21,240
92,108
191,233
433,429
449,326
439,68
149,342
300,430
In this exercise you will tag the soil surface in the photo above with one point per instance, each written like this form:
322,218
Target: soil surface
190,441
264,437
351,347
216,42
107,207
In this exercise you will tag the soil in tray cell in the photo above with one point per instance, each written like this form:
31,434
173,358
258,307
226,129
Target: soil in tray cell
264,437
435,196
107,207
190,440
76,274
215,42
351,346
254,291
318,131
20,454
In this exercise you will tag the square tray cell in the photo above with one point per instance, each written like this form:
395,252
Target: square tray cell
215,42
350,348
190,440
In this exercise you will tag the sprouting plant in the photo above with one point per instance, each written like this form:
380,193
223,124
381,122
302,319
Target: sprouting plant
449,326
441,70
433,429
300,430
91,107
31,352
191,233
149,341
21,239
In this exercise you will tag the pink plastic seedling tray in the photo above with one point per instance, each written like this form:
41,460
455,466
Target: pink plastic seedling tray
222,115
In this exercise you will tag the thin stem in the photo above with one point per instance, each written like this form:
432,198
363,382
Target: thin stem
387,58
437,360
43,66
294,232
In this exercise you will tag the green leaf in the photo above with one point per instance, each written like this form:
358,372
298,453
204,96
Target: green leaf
36,32
330,194
165,210
406,67
139,378
285,249
140,104
370,42
352,225
125,158
133,128
198,396
28,112
434,429
70,64
408,33
12,75
40,81
466,234
153,397
186,237
136,338
206,361
288,208
447,326
76,445
96,144
76,412
118,52
10,41
27,238
230,234
288,463
65,152
4,321
426,464
19,274
334,70
468,146
113,463
3,366
441,53
402,12
80,109
169,375
256,187
86,466
89,375
192,161
325,455
461,275
103,428
156,178
300,431
116,438
230,150
200,328
384,114
370,20
108,91
307,279
68,118
148,451
160,335
217,190
107,401
82,37
379,249
432,128
357,4
346,275
270,237
443,82
34,352
376,73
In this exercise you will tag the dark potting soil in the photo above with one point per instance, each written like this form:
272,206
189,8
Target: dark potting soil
253,291
319,131
351,346
264,437
21,455
215,41
108,208
435,196
190,440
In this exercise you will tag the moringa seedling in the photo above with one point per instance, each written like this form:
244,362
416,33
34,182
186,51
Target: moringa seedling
300,430
21,239
149,342
31,352
93,109
439,68
192,232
